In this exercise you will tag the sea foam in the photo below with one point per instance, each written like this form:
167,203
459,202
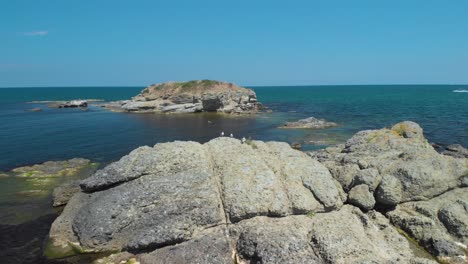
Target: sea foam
460,91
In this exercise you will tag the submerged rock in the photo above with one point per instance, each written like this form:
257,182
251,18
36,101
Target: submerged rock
191,97
68,104
63,193
37,109
52,168
310,122
456,151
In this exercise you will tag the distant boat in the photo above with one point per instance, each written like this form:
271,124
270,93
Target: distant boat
460,91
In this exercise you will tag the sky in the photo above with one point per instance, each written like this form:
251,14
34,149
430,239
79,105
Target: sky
251,43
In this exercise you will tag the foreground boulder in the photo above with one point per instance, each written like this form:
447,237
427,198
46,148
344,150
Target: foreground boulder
423,191
310,122
223,202
398,165
191,97
440,224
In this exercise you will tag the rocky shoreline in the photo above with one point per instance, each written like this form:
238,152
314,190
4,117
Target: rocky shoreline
386,196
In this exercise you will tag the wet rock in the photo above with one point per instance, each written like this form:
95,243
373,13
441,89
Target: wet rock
296,145
63,193
37,109
439,224
456,151
53,168
310,122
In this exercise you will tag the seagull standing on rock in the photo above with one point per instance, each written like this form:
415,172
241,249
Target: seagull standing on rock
222,133
231,135
243,140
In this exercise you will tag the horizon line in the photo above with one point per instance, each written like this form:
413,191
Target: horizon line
276,85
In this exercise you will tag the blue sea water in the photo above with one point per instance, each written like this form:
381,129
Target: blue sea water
97,134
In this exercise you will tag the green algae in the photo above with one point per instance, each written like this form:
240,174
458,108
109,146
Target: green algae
415,247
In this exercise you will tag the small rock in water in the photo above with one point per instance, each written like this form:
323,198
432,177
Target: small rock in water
310,122
296,145
37,109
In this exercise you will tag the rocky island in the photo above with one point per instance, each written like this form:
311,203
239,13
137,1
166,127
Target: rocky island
386,196
191,97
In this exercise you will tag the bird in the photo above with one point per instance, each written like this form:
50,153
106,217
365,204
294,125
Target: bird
243,140
222,133
231,135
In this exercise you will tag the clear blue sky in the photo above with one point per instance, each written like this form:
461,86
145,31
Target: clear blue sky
106,43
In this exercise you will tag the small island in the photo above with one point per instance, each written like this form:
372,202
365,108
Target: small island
191,97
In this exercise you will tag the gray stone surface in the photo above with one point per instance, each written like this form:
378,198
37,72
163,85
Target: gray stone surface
361,197
63,193
275,240
161,196
310,122
410,168
212,246
263,202
440,224
350,236
456,151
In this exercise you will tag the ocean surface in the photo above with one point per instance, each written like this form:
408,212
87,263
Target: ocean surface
103,136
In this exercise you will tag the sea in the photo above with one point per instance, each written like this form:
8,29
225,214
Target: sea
103,136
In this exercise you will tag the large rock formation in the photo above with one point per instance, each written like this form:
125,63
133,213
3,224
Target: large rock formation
422,189
191,97
264,202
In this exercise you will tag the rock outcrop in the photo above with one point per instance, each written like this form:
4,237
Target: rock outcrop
191,97
423,191
397,164
439,224
68,104
310,122
263,202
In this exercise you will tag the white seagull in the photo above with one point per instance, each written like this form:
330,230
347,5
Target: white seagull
222,133
231,135
243,140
